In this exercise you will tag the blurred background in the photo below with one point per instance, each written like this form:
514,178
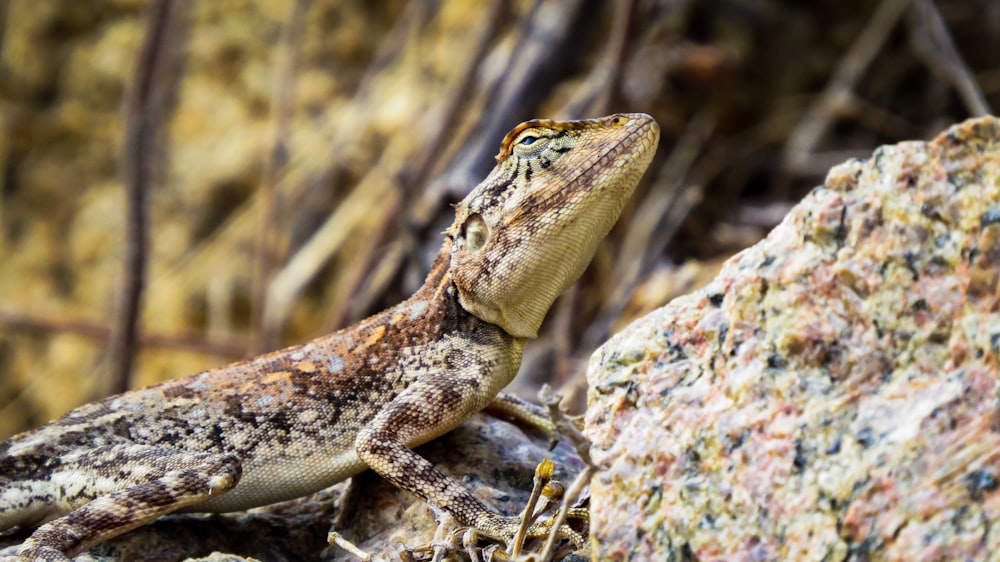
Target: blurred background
185,183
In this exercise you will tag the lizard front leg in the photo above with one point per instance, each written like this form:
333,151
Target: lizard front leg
131,485
416,416
429,407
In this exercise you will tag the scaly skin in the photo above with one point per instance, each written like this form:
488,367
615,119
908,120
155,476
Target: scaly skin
292,422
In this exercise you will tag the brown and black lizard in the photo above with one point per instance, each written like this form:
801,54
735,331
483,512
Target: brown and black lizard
289,423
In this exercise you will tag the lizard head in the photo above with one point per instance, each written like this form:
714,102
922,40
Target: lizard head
528,231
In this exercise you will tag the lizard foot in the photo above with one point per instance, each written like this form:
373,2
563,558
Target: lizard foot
513,531
509,531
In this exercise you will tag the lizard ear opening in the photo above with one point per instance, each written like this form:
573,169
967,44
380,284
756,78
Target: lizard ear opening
475,232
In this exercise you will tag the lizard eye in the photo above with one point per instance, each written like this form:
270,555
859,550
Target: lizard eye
476,232
528,140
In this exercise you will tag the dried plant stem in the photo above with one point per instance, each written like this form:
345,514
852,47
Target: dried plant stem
543,475
228,348
617,52
335,538
144,105
936,47
268,237
822,112
574,491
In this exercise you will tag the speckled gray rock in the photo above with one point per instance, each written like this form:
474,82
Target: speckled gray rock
833,394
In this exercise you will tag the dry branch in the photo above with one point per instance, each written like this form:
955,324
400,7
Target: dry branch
145,105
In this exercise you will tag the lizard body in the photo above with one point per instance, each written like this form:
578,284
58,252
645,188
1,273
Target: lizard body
292,422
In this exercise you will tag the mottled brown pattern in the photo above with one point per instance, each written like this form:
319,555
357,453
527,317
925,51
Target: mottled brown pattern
294,421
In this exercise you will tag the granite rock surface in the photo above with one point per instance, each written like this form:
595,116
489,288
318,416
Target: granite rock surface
833,394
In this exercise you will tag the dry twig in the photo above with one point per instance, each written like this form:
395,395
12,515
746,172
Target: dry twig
543,475
934,45
336,538
327,240
228,348
145,104
828,104
270,200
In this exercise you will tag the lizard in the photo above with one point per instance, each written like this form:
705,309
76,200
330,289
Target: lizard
292,422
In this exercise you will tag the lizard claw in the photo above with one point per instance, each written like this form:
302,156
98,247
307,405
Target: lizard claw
507,531
513,531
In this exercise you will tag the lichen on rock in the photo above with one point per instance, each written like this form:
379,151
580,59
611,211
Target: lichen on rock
833,393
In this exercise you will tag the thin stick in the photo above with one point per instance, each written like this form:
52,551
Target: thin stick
444,540
566,427
582,446
821,113
537,62
469,540
940,54
228,348
616,53
143,107
563,342
457,100
336,538
543,474
298,269
582,480
282,97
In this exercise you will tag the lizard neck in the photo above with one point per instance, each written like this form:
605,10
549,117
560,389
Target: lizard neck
437,302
